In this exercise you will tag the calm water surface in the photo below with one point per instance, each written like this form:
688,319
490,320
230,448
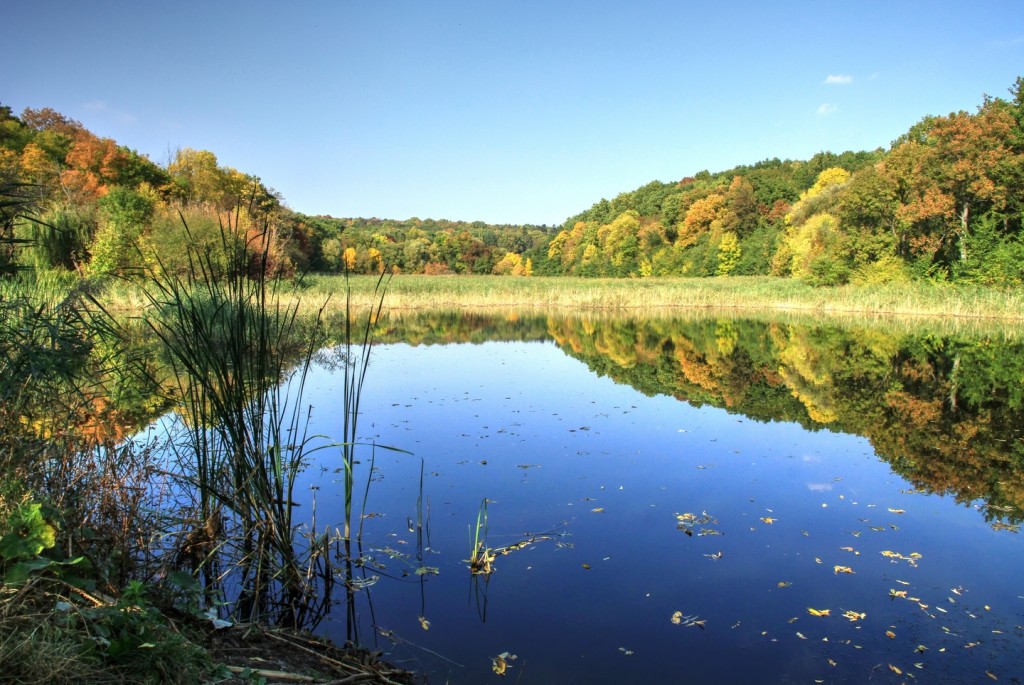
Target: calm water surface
672,537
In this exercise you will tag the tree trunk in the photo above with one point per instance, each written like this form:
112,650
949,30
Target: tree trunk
963,232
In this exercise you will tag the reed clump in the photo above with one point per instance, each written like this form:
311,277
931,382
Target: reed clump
242,439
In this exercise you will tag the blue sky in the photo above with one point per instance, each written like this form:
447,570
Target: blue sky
524,111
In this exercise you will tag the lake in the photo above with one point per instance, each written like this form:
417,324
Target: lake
700,500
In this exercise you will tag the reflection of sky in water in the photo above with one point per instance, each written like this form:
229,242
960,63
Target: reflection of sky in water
548,442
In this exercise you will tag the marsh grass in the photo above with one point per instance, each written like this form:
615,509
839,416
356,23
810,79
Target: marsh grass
750,294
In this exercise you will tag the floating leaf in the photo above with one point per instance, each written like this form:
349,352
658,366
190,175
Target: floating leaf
818,612
991,675
500,663
784,583
768,519
842,569
586,566
801,635
853,616
598,510
627,652
891,635
679,619
897,511
895,670
424,623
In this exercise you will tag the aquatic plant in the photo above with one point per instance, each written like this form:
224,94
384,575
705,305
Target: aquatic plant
242,440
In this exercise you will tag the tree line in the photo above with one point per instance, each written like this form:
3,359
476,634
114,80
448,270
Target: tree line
943,202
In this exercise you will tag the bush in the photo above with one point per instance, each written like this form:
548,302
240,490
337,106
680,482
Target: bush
885,271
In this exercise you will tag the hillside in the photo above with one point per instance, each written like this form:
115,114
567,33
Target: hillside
944,202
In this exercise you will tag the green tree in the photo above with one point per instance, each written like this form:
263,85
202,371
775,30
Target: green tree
125,214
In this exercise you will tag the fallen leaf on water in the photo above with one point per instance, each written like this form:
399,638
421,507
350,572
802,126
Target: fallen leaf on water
598,510
831,662
991,675
499,664
842,569
424,623
800,635
784,583
895,670
818,612
627,652
891,635
768,519
854,616
586,566
897,511
679,619
970,645
850,549
922,649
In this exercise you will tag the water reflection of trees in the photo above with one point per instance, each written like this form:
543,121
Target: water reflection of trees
945,412
944,408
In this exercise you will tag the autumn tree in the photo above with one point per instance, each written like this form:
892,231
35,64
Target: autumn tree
812,247
728,253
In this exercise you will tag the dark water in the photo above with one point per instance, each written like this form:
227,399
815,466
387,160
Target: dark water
738,473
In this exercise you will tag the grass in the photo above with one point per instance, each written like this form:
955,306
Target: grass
752,294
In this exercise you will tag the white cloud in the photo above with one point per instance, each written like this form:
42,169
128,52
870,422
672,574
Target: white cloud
103,108
827,108
838,79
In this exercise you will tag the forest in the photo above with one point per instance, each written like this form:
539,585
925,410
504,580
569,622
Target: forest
944,202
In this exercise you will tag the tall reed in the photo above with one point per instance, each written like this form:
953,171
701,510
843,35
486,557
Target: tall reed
244,437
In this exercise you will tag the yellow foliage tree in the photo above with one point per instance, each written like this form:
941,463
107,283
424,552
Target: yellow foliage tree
728,253
699,218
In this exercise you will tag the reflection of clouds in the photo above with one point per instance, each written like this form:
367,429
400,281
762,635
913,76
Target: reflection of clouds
819,487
